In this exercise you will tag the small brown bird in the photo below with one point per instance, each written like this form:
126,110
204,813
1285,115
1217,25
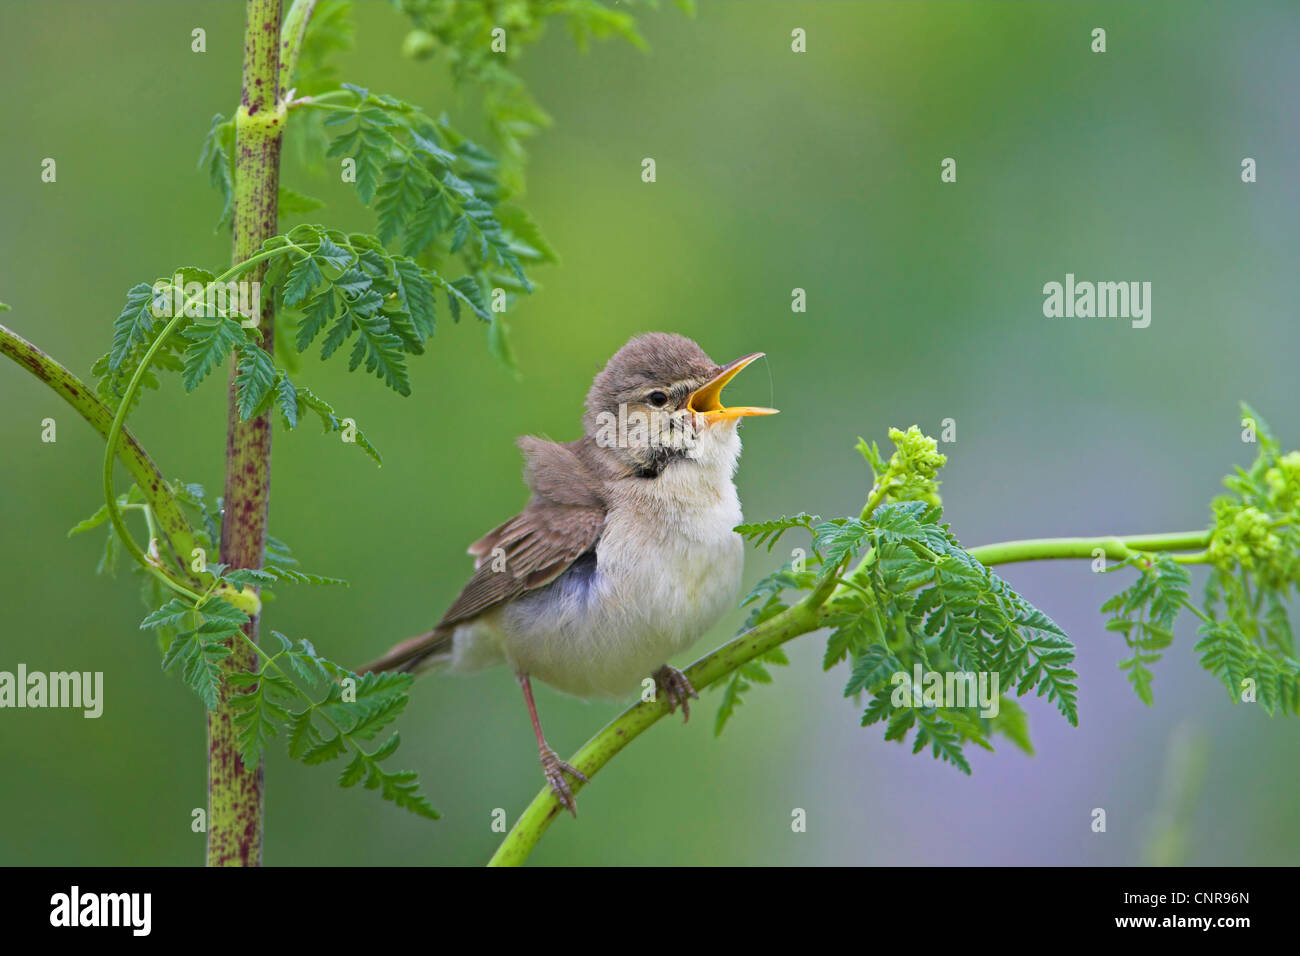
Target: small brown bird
624,555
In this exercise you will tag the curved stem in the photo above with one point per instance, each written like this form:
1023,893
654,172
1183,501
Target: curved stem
801,618
172,523
110,456
600,749
123,409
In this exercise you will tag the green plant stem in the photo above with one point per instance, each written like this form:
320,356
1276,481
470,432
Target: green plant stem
291,37
600,749
235,791
120,443
800,618
110,457
1115,548
175,528
124,409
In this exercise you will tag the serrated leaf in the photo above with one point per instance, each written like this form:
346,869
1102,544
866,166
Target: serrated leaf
324,751
217,159
873,668
254,380
304,276
210,346
415,291
317,313
134,325
287,395
219,611
465,290
175,613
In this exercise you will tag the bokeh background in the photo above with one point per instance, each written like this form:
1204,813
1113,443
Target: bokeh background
775,170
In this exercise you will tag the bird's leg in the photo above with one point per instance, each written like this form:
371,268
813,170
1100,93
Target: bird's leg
552,765
674,685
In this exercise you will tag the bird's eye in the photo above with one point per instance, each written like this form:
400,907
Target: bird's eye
658,399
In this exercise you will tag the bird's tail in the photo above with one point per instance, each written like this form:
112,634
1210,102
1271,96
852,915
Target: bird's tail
415,654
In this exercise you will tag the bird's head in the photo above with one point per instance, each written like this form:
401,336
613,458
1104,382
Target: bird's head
658,401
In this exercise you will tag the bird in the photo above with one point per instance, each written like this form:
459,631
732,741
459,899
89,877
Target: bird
625,553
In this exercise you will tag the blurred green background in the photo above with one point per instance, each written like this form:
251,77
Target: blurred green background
776,170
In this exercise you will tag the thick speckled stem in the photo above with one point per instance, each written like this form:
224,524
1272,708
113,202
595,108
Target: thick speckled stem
234,790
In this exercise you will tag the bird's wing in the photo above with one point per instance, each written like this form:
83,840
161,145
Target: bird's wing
561,523
527,552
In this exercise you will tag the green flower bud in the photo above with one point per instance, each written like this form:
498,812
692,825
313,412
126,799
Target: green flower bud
1283,482
419,45
917,453
913,467
1242,536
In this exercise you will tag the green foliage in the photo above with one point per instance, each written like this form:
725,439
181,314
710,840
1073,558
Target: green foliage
455,198
912,470
148,308
254,380
354,286
218,158
459,36
1254,558
325,711
434,192
1254,553
279,564
210,346
917,603
438,198
751,672
296,399
202,641
437,195
329,32
132,500
770,532
1144,614
919,606
333,286
919,614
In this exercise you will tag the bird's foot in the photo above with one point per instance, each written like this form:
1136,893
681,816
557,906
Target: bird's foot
555,769
673,684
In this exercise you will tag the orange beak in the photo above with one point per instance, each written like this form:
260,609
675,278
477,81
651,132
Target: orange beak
705,400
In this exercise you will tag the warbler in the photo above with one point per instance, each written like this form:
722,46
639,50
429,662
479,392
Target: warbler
624,555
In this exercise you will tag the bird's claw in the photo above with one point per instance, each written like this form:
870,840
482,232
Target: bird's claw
673,684
555,769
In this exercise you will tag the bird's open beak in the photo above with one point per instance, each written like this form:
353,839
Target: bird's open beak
705,400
